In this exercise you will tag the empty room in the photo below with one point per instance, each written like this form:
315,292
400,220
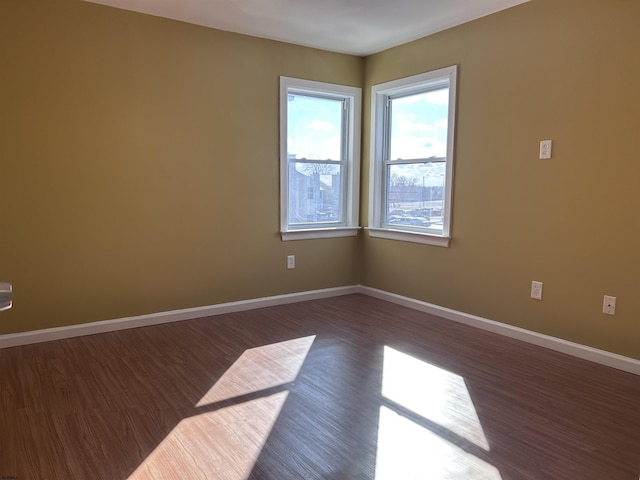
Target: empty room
249,239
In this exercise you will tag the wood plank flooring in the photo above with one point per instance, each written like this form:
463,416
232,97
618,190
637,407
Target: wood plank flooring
338,389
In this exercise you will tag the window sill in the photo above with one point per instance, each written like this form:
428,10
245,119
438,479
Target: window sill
310,234
415,237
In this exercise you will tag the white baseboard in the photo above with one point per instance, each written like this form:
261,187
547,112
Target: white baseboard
602,357
59,333
575,349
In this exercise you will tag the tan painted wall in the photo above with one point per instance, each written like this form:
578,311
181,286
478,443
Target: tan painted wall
564,70
139,165
139,168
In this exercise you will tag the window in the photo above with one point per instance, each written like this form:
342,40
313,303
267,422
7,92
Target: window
319,159
412,157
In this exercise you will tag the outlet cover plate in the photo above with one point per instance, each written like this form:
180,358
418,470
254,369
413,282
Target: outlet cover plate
545,149
536,290
609,305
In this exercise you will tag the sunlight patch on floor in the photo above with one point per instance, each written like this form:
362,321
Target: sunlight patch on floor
225,443
433,393
409,451
221,444
260,368
421,401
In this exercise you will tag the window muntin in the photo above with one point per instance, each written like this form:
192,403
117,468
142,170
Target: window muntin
412,145
320,129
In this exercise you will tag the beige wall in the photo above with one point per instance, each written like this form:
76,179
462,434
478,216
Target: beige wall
139,165
140,168
563,70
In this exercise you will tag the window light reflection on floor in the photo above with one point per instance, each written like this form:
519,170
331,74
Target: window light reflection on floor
433,393
226,442
260,368
407,449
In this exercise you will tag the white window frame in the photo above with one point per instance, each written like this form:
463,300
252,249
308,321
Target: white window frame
380,95
351,174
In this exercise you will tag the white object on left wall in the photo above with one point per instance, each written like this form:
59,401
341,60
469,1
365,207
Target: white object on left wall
6,296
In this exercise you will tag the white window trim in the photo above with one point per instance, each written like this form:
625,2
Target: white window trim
308,234
406,236
350,226
379,94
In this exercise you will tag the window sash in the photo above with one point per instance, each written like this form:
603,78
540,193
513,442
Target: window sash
341,214
344,120
424,217
318,204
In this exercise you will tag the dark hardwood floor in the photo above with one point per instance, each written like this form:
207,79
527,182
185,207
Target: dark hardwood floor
343,388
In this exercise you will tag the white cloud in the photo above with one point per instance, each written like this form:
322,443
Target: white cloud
438,97
405,124
321,125
434,97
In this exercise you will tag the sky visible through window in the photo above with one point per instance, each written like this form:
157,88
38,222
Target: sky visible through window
315,128
419,125
418,130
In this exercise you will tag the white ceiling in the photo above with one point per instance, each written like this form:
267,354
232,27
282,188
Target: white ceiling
357,27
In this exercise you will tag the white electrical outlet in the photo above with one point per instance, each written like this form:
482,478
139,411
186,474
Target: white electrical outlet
536,290
291,262
609,305
545,149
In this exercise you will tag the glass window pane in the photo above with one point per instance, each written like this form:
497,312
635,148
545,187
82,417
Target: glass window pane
314,128
314,193
418,125
415,195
